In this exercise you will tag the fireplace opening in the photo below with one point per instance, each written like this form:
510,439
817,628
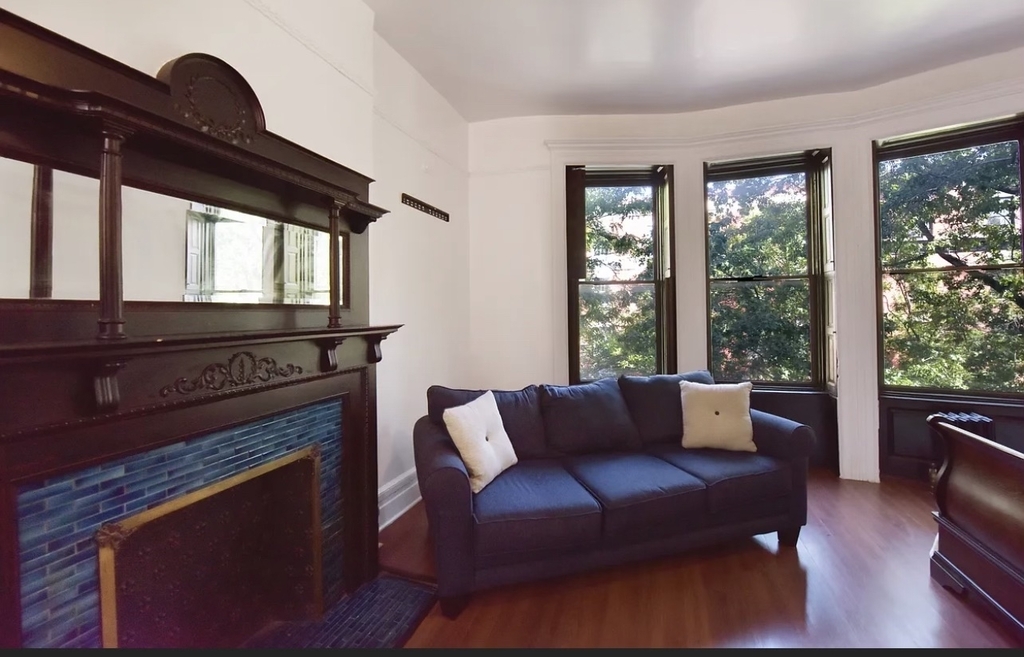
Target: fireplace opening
215,566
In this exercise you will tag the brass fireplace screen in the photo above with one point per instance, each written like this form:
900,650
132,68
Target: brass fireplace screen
213,567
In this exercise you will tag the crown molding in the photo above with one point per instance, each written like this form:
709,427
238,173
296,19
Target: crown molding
980,94
311,45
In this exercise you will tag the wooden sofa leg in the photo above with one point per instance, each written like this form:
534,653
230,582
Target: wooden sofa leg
452,606
789,536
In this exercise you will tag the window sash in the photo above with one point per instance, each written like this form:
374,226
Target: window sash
816,166
988,133
659,178
760,357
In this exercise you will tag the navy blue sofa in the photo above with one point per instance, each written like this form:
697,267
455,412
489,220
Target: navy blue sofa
602,479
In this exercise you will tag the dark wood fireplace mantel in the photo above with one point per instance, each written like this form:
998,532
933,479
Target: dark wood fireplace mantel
87,382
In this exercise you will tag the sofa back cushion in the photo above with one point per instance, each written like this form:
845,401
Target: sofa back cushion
655,404
587,417
519,410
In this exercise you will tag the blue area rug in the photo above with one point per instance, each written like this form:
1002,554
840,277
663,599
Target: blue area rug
380,614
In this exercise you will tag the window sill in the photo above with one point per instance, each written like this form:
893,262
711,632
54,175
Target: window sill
1009,398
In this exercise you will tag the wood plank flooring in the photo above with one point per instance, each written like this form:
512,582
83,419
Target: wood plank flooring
858,578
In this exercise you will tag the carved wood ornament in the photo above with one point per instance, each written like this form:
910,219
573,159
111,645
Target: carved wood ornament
241,369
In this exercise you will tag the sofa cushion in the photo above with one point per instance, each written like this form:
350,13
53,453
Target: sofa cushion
587,417
483,444
535,505
642,495
519,409
717,416
655,405
733,479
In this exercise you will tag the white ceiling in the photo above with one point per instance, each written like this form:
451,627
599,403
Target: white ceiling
501,58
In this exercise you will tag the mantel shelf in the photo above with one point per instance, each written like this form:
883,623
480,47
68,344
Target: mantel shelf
128,347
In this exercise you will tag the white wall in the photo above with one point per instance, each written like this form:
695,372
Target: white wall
419,264
328,83
517,201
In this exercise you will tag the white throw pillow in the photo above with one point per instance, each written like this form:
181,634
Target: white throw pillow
480,437
717,416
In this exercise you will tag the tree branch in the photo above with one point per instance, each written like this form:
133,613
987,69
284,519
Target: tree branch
910,307
983,276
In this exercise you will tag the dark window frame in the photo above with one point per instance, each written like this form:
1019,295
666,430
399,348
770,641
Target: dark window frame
813,163
938,141
660,176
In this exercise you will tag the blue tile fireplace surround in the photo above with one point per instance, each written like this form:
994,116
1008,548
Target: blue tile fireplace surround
58,517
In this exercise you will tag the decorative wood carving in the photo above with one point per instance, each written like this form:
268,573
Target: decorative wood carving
214,97
329,353
241,369
373,351
360,214
105,386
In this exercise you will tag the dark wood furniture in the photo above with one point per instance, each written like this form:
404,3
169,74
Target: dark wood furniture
84,382
979,549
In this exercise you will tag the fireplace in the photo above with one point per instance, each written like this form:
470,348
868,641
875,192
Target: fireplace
60,517
113,406
213,567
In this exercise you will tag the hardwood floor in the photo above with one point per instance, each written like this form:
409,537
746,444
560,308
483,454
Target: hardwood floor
857,578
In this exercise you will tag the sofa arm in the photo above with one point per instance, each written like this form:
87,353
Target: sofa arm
444,486
782,438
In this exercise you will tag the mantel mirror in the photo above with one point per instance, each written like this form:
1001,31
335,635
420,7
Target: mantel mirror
173,249
134,206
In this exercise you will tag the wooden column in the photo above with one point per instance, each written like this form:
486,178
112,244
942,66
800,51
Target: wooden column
111,321
41,274
334,313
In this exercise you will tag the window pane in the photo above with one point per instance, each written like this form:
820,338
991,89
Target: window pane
758,226
617,330
952,208
620,233
761,331
960,330
237,274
